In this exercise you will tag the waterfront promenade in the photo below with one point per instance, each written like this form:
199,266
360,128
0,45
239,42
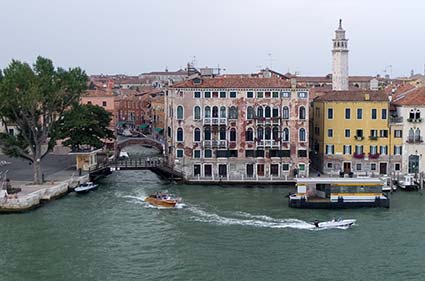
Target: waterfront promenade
60,177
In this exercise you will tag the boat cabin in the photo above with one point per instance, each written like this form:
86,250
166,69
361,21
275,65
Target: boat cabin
338,193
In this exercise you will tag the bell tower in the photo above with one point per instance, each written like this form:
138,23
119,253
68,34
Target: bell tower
340,60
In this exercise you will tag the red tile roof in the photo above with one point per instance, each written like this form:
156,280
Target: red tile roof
235,82
99,93
412,97
352,95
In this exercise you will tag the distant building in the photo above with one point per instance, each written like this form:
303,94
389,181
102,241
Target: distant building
237,128
104,98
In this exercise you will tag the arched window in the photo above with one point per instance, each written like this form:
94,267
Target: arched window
285,112
417,114
412,114
268,133
411,135
179,134
285,135
233,112
197,135
260,112
215,112
232,134
222,133
180,112
250,113
275,133
275,112
302,113
417,134
302,134
207,133
268,112
249,135
260,132
223,112
207,112
197,113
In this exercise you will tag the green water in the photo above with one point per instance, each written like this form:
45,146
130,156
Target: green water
223,233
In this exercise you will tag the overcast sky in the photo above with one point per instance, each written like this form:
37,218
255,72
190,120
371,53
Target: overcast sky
135,36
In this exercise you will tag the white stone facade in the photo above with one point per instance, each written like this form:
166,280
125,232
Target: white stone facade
413,154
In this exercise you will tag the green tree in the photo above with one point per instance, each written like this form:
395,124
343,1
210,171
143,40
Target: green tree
34,99
85,125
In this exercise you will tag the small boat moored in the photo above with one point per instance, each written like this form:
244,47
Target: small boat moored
408,183
161,200
85,187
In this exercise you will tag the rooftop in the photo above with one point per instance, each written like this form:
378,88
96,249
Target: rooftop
352,95
411,97
234,82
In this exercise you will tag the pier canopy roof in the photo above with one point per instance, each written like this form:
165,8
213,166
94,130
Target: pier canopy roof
344,181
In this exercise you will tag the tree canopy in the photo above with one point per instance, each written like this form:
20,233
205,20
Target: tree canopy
34,99
85,125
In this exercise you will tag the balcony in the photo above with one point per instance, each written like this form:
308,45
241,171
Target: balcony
215,144
358,155
415,140
374,138
396,119
374,155
214,121
414,120
359,138
268,143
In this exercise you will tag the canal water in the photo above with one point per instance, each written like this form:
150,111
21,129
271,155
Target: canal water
220,233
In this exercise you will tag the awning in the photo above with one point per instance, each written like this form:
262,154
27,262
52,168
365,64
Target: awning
121,123
159,130
143,126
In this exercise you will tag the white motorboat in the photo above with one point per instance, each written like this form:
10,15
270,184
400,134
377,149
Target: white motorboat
408,183
334,223
85,187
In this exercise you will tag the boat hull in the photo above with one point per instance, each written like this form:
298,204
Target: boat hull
303,204
170,203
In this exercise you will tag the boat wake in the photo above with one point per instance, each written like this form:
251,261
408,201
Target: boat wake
247,219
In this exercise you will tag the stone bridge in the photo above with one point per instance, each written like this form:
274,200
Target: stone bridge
139,141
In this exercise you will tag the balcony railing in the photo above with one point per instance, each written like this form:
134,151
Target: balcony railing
415,140
268,143
358,155
359,138
215,121
374,155
414,120
267,120
215,144
396,119
373,137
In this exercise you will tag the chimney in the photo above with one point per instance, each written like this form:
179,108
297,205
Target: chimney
366,97
293,83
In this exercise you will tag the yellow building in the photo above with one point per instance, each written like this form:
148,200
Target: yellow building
351,133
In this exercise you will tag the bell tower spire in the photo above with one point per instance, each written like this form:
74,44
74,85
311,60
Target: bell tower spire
340,60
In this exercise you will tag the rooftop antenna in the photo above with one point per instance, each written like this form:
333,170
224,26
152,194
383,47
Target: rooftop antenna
270,59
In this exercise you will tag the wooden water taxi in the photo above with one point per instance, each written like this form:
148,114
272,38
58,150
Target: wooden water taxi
161,200
330,193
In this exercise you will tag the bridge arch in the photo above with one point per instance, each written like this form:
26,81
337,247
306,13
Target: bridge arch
139,141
